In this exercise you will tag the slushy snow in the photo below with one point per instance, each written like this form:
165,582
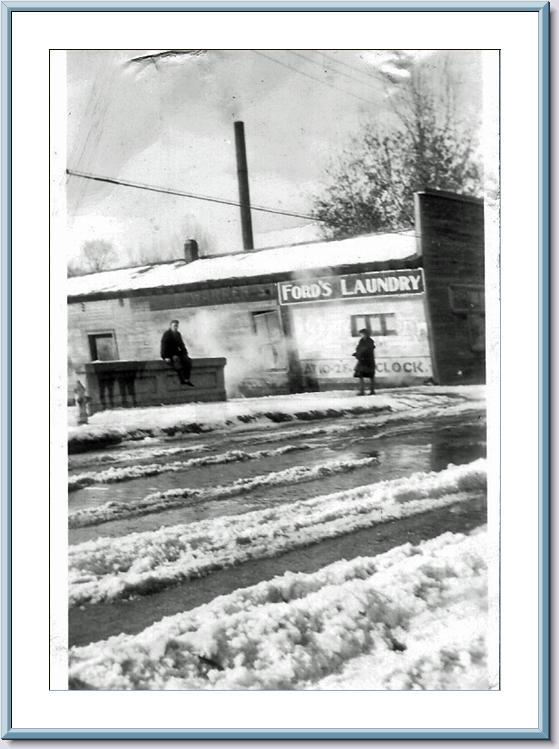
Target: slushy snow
113,474
140,563
139,453
166,500
412,618
124,424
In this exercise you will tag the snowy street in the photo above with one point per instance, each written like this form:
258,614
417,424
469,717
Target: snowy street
320,541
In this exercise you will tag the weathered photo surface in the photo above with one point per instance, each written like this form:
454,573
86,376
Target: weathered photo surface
277,441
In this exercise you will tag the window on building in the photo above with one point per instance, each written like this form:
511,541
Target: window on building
102,346
378,323
269,335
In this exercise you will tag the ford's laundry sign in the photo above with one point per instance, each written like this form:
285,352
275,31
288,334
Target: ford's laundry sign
353,286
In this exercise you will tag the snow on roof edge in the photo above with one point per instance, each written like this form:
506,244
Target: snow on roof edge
231,267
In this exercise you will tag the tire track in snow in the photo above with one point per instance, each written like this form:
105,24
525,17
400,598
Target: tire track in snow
141,563
113,475
293,631
166,500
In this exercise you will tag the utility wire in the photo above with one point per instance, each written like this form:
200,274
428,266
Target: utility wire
333,70
312,77
181,193
222,201
371,77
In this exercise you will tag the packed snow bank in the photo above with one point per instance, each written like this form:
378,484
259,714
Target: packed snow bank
113,475
111,427
457,661
376,426
297,630
140,563
371,423
166,500
114,426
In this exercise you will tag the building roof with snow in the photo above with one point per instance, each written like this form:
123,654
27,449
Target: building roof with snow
369,252
294,235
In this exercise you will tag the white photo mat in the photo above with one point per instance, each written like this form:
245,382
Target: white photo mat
513,375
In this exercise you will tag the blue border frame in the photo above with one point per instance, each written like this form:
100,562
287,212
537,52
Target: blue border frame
78,6
543,9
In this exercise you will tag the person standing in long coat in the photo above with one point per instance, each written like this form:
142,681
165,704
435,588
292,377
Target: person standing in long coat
365,355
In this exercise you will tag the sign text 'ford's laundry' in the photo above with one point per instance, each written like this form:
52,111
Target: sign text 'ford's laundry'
354,286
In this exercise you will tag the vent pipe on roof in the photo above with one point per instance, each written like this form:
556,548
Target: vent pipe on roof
191,251
242,178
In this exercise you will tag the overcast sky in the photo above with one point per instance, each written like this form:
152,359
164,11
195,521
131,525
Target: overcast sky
169,123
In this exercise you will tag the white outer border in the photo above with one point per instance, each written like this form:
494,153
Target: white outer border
514,706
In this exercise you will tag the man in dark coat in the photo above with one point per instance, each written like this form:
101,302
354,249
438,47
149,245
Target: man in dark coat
365,355
174,352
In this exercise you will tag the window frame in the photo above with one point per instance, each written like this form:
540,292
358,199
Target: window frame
105,333
384,329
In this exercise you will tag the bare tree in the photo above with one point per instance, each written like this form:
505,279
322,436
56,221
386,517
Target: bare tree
429,146
98,254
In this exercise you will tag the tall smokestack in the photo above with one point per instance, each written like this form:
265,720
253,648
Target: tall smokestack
242,177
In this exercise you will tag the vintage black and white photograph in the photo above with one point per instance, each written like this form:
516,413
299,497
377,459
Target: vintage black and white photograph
278,369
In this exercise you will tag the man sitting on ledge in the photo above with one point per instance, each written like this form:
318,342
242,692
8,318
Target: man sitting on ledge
174,352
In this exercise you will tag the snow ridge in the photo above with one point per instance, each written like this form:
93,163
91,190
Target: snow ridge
140,563
114,426
299,631
81,439
159,501
112,475
395,422
139,453
265,411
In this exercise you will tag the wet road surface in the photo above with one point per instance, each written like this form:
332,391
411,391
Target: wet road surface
400,450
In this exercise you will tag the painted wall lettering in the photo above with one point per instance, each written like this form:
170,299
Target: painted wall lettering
395,368
354,286
210,297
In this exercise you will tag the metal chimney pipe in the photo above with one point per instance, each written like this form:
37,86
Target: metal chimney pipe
242,178
191,251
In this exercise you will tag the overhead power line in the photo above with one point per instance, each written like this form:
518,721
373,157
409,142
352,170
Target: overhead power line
312,77
222,201
371,77
369,82
183,194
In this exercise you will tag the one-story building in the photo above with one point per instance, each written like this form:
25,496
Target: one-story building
287,318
